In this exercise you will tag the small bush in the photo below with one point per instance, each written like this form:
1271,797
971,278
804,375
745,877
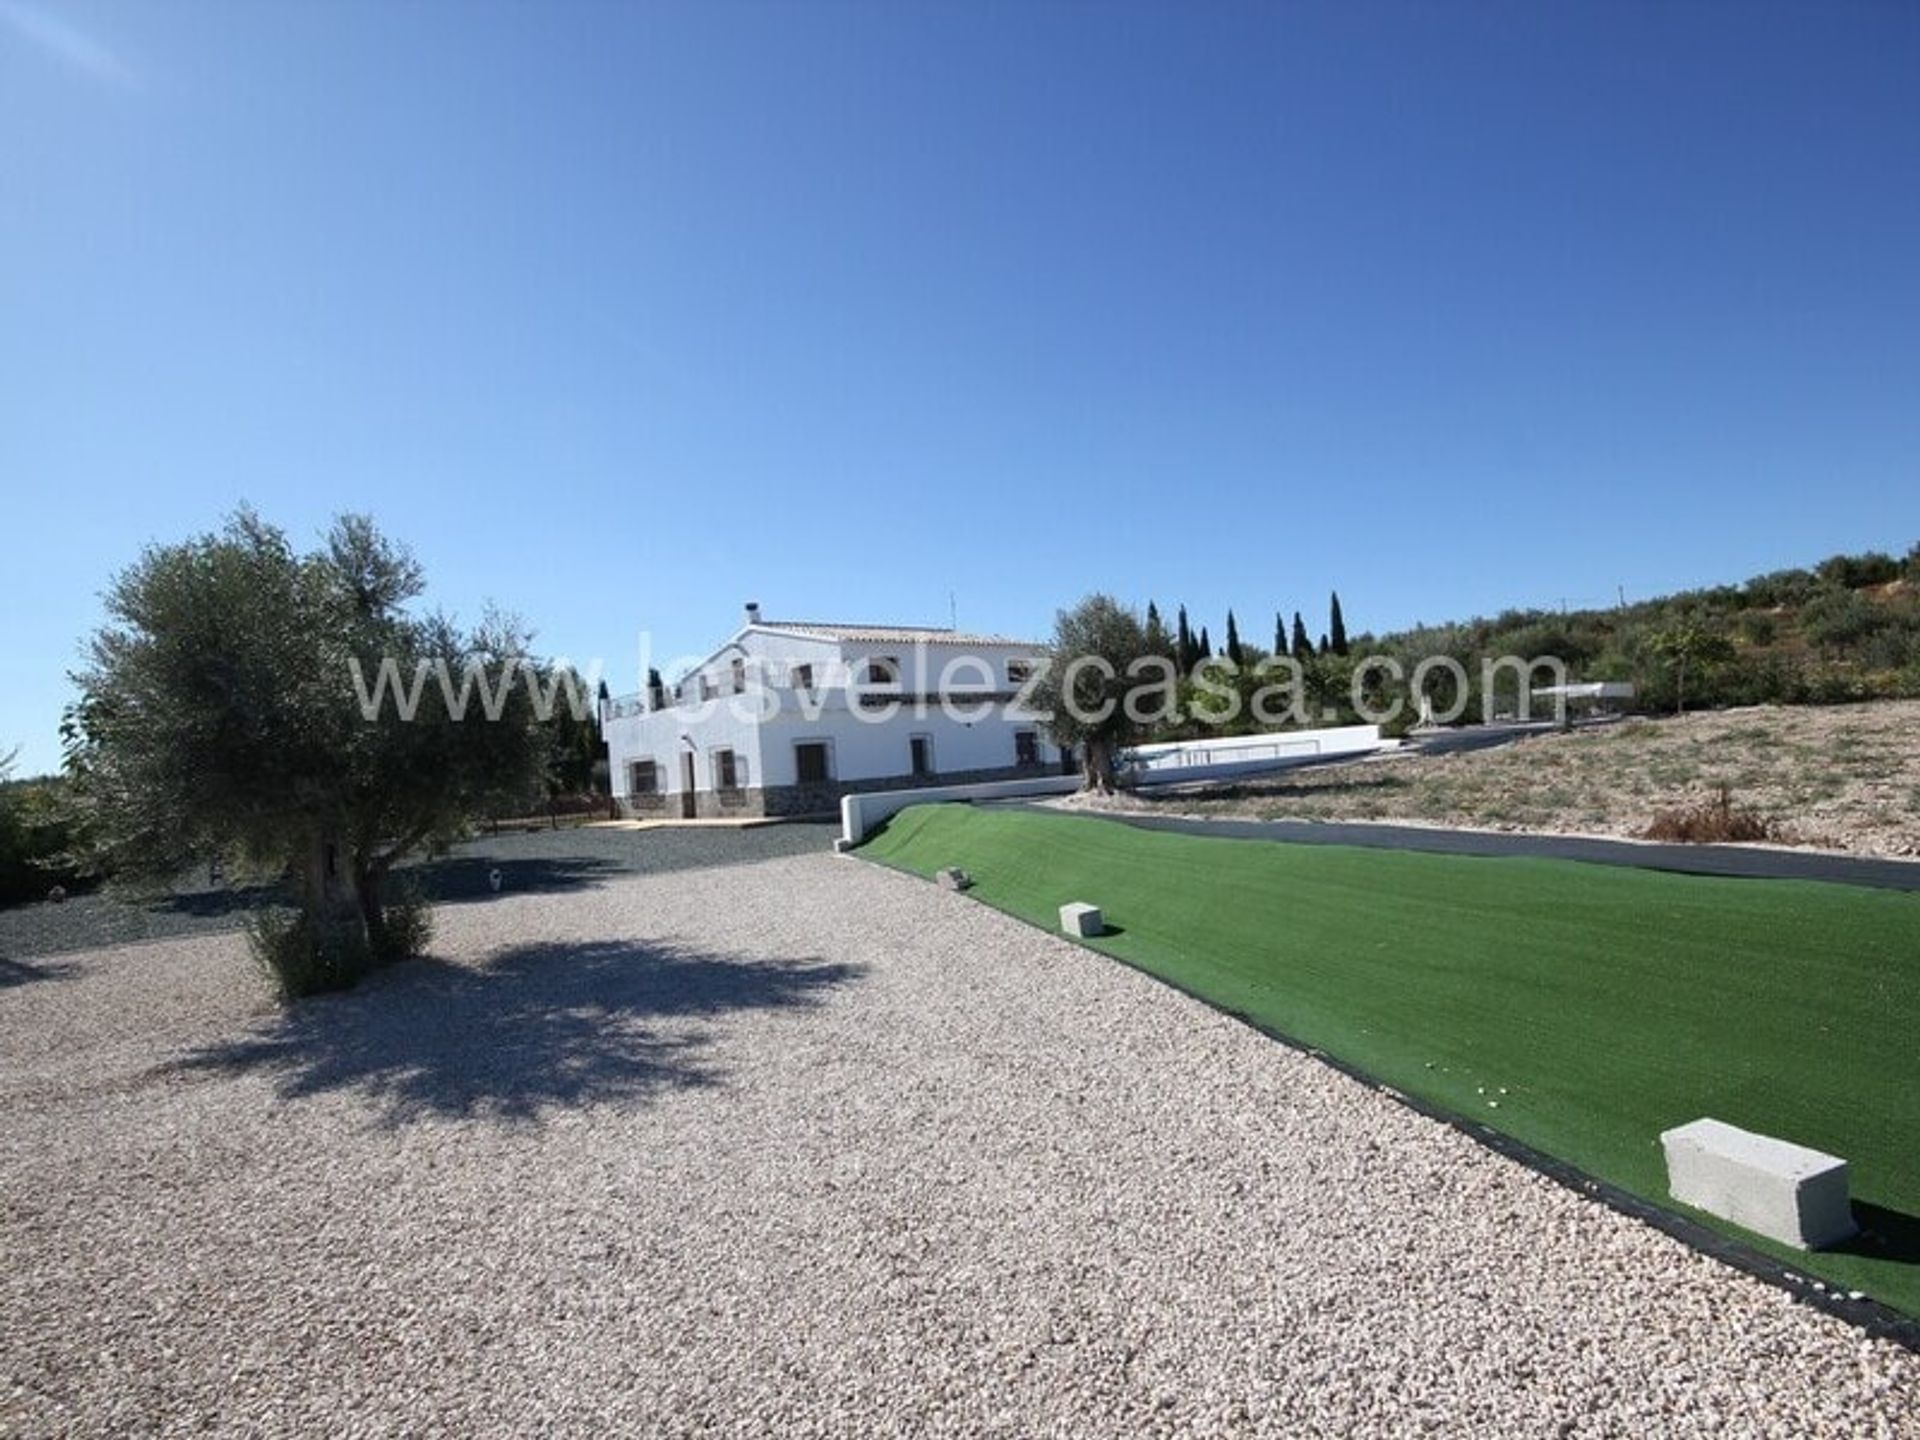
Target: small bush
1713,822
1875,567
1781,587
408,925
42,843
301,957
1840,619
1892,647
1403,723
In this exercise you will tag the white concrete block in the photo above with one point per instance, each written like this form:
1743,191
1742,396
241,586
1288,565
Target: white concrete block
1082,920
1773,1187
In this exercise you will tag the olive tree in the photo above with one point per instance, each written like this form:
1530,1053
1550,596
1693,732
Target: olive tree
223,713
1689,644
1099,666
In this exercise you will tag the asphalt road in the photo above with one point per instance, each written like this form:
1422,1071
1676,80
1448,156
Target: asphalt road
1734,861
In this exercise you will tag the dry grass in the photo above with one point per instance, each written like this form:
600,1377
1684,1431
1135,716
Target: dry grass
1716,822
1837,777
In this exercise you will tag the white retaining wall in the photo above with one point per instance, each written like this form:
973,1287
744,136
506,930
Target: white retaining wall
1197,759
1165,764
861,814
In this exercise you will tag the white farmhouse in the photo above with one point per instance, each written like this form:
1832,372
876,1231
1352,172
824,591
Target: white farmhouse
787,717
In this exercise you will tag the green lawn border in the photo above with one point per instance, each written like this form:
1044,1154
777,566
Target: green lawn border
1875,1318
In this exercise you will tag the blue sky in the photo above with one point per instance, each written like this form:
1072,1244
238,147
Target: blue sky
623,314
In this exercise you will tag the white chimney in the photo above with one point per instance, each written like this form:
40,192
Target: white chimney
753,612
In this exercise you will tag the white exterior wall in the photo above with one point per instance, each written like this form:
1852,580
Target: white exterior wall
866,748
665,735
763,723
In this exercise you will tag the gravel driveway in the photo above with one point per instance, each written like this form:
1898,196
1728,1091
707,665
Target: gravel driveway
806,1147
571,859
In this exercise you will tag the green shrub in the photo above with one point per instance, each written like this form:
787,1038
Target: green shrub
1759,628
1875,567
407,927
42,844
1891,647
303,957
1835,687
1780,587
1770,679
1839,619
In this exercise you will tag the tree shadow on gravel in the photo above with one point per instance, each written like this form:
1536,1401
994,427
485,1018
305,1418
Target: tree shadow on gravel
534,1029
456,878
20,972
219,902
450,878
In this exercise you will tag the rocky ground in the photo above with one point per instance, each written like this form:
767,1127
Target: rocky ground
1841,777
806,1147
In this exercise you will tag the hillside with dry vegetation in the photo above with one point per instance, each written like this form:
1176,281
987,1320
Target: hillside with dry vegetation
1842,777
1845,630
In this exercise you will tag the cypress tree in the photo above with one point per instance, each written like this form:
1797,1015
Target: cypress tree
1337,626
1184,650
1206,644
1234,653
1279,632
1302,646
1158,641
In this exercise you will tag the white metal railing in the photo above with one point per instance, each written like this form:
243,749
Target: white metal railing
1197,756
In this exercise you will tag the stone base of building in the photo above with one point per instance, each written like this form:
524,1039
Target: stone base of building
707,805
793,801
825,799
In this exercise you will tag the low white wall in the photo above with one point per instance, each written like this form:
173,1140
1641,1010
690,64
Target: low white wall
861,814
1150,765
1273,745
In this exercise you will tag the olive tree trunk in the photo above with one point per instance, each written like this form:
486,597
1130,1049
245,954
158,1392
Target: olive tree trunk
338,893
1097,767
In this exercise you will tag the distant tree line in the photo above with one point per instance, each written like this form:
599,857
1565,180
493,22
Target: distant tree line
1847,629
1187,649
43,842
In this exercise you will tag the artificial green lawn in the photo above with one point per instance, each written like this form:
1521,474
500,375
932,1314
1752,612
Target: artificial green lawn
1610,1003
